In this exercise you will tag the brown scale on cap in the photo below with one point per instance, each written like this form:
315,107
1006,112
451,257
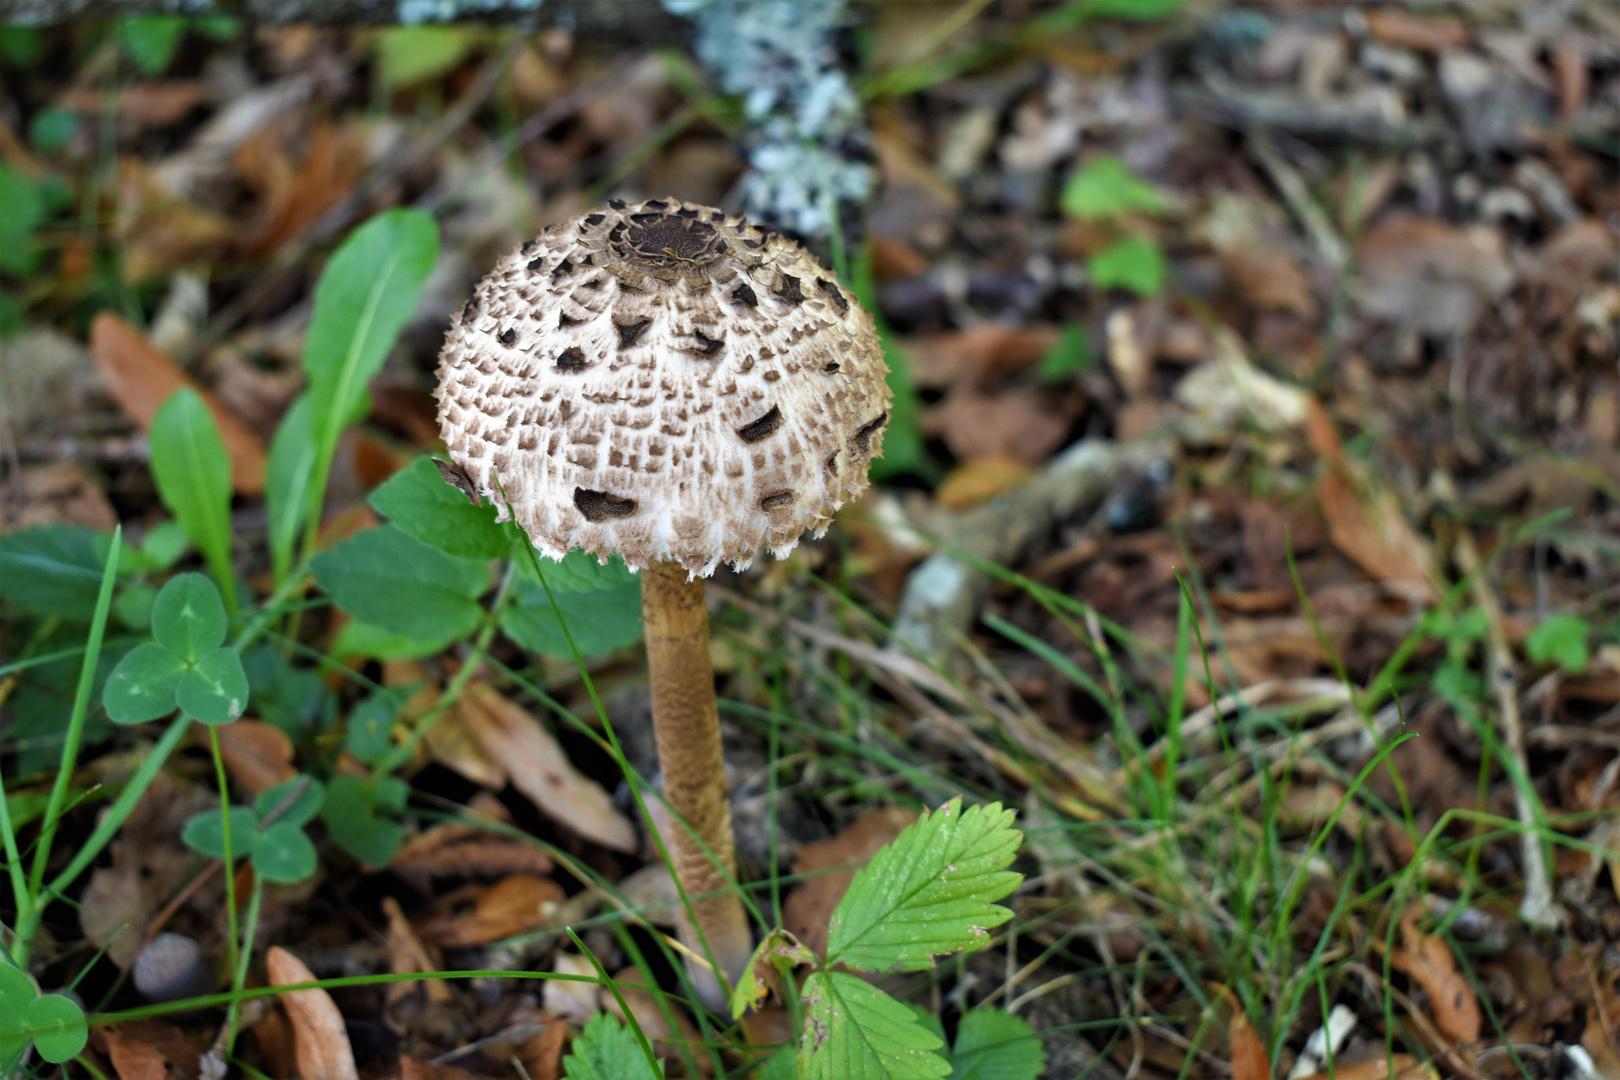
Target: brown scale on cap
661,381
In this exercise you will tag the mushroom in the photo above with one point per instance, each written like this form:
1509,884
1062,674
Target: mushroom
680,388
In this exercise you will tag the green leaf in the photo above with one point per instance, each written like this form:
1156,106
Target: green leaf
188,618
411,54
607,1050
419,501
929,892
282,853
992,1044
366,293
51,128
1104,187
142,686
1560,638
854,1031
25,208
19,44
353,816
1132,263
1069,356
54,570
290,698
386,577
215,691
778,954
1135,10
362,640
164,544
204,833
579,571
193,475
150,40
303,809
369,732
600,620
16,994
289,483
781,1065
57,1025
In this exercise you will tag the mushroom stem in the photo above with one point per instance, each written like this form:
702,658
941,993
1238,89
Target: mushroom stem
686,723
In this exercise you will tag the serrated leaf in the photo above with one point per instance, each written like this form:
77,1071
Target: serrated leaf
419,501
928,893
1560,638
607,1050
193,474
54,570
392,580
57,1025
778,954
992,1044
600,620
188,617
282,853
215,690
142,686
854,1031
204,833
311,794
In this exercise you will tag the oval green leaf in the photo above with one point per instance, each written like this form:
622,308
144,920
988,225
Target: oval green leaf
283,854
142,686
57,1026
188,617
193,474
306,803
205,832
216,690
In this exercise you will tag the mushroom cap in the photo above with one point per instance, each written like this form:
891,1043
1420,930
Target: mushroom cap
662,381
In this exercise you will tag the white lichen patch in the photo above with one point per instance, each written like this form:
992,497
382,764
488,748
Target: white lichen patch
664,382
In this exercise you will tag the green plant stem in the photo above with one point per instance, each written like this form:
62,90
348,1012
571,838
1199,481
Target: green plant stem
19,883
244,957
81,708
228,856
629,1016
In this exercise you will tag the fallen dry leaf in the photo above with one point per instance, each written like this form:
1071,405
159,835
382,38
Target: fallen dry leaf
539,769
1427,959
573,1000
58,491
278,1052
1024,423
141,378
1429,277
1249,1059
334,161
810,904
1375,536
541,1054
510,906
457,850
321,1040
151,1050
644,1007
257,755
1271,281
412,1069
1394,26
945,359
972,482
148,865
1401,1066
408,956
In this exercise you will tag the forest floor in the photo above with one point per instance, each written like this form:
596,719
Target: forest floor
1258,407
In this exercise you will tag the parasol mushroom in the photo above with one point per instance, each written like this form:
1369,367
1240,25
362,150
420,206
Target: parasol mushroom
680,388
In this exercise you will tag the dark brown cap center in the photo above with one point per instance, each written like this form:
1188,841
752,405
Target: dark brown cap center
664,240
